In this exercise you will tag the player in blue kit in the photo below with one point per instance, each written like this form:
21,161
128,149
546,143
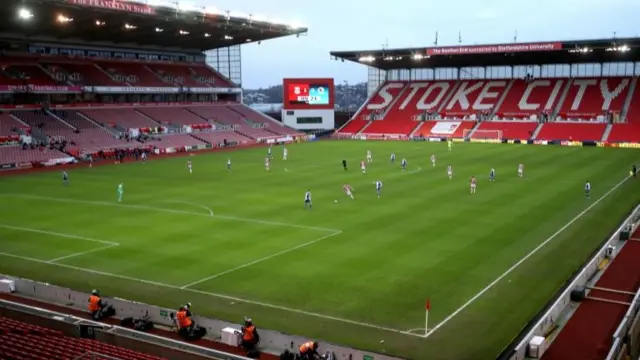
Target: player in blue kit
587,189
404,164
492,175
378,188
229,164
393,158
307,200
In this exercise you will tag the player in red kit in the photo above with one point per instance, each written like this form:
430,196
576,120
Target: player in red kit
348,190
363,166
473,185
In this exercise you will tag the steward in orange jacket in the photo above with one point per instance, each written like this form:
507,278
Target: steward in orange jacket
95,305
183,317
250,337
309,350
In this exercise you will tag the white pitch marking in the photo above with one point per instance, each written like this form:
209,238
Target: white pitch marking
221,296
259,260
530,254
174,211
82,253
109,244
190,203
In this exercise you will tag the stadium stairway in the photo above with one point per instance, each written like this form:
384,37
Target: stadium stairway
629,99
159,331
606,133
601,312
536,132
633,111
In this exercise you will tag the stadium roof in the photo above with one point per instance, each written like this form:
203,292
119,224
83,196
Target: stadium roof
122,23
553,52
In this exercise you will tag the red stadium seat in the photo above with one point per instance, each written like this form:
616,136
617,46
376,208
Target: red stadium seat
26,341
572,131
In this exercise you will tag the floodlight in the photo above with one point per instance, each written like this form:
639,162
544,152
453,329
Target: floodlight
207,35
186,6
248,40
25,14
259,17
237,14
366,59
183,32
418,57
63,19
129,26
100,23
227,37
159,30
213,10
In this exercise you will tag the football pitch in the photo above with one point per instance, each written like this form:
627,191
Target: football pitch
239,243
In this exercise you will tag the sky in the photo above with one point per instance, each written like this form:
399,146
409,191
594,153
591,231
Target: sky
368,25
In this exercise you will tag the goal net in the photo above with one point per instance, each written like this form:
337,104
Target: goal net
482,134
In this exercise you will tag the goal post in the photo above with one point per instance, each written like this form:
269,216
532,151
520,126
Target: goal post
482,134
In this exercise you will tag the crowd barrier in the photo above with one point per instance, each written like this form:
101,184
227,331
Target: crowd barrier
444,138
270,340
547,321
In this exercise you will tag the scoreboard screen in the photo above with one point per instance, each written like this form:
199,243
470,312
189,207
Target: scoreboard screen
308,94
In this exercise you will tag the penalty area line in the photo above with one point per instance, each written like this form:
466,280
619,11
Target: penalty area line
108,244
172,211
217,295
526,257
192,204
257,261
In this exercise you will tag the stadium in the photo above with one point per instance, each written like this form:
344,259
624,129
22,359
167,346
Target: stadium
148,213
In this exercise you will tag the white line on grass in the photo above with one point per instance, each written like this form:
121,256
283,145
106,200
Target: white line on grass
530,254
259,260
221,296
82,253
190,203
173,211
109,244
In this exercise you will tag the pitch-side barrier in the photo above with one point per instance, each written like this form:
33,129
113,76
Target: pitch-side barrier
270,340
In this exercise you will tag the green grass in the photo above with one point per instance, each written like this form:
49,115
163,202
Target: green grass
371,261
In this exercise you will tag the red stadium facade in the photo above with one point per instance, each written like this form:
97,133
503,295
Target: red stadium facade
564,92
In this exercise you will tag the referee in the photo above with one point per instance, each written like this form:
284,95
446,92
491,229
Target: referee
634,171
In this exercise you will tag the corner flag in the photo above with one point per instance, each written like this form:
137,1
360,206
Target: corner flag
427,307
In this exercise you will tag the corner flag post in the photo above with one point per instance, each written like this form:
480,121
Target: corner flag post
427,307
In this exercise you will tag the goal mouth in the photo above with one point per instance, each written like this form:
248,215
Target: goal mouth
482,134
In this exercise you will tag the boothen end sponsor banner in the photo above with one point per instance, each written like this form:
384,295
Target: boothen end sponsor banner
493,49
116,5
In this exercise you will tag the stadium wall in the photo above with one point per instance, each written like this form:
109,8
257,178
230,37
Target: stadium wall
545,321
270,340
292,118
